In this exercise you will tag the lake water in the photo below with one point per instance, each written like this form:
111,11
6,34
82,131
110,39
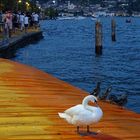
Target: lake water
67,52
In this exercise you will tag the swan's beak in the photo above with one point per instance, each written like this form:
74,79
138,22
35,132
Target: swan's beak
96,103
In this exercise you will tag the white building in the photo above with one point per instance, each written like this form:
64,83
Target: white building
71,6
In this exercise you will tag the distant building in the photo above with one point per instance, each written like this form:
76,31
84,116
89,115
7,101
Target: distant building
71,5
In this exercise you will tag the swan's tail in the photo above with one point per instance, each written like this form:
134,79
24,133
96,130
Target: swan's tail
66,117
63,115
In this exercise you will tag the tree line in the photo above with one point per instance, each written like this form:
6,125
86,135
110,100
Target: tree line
16,5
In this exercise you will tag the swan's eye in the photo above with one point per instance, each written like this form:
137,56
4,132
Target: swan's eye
95,101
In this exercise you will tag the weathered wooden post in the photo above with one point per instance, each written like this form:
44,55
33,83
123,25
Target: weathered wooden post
113,27
98,38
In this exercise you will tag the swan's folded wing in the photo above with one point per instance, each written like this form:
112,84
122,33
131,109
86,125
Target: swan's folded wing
75,110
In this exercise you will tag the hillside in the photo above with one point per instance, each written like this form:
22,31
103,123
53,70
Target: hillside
75,1
133,5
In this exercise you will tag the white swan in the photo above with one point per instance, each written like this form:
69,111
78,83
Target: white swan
83,114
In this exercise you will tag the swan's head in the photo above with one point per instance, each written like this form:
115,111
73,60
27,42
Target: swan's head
90,98
94,99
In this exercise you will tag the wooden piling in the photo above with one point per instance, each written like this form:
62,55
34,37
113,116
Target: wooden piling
98,38
113,27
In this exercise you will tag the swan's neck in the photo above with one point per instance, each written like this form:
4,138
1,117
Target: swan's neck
85,103
86,100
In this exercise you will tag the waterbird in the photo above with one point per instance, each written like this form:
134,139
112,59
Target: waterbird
96,91
105,94
83,114
120,100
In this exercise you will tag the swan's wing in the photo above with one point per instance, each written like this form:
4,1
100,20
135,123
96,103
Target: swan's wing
75,110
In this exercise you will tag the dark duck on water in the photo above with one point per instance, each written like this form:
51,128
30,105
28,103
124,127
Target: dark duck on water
104,95
120,100
96,91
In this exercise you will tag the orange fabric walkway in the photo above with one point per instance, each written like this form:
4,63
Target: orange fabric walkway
31,99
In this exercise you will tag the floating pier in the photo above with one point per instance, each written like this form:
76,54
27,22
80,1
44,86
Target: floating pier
31,99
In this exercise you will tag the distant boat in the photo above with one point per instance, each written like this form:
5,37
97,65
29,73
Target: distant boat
71,17
94,15
93,18
65,17
80,17
128,20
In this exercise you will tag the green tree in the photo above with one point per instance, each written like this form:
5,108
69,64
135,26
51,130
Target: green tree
15,5
8,4
51,13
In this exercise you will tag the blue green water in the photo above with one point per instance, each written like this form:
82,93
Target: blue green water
67,52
